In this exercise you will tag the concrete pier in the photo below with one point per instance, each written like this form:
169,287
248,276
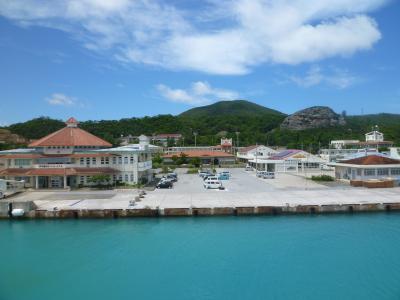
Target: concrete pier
201,211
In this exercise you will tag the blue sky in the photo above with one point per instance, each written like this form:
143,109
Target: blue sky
100,59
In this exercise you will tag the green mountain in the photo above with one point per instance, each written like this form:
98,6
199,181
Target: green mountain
231,108
256,124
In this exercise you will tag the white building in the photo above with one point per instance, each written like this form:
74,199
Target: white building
256,151
70,157
332,155
288,161
374,136
368,167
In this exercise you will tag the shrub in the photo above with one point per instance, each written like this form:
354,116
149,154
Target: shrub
322,178
192,171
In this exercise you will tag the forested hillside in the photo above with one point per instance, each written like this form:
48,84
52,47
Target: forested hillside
255,123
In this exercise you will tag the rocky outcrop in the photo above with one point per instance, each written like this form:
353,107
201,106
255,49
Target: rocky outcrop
313,117
7,137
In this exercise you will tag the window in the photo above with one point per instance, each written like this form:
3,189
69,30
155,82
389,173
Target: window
126,160
88,160
114,160
359,172
120,160
102,161
120,177
383,171
114,177
395,171
82,161
22,162
107,160
131,177
93,160
369,172
132,160
81,179
126,178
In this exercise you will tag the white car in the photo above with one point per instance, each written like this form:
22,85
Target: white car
248,168
212,184
269,175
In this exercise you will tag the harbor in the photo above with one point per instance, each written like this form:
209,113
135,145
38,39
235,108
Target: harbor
243,194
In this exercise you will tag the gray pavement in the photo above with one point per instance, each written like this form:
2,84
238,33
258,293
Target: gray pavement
243,189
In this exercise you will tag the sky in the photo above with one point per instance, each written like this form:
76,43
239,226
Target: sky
101,59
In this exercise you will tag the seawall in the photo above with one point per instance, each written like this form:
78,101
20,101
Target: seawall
32,213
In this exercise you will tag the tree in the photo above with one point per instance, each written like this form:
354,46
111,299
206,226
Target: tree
100,180
195,162
182,159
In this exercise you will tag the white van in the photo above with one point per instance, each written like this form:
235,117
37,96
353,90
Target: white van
261,173
212,184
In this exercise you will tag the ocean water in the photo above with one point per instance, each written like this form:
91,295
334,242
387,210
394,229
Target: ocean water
285,257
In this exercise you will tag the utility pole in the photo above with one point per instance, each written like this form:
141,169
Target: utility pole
195,138
237,141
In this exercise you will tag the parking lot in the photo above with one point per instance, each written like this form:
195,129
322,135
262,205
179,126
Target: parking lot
242,181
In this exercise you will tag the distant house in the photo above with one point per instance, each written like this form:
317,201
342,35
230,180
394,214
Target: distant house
205,156
291,160
367,167
373,139
163,138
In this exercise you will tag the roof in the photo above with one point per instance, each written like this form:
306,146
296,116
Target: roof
371,160
168,135
249,148
37,155
56,171
285,154
200,153
70,136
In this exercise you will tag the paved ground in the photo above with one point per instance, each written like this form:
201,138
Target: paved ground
243,189
49,200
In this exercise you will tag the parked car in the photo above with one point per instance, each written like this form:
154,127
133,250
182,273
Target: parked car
171,177
210,177
261,173
223,176
164,184
269,175
326,168
202,174
248,168
227,173
212,184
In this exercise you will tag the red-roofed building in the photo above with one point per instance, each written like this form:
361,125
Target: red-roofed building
205,156
70,156
368,167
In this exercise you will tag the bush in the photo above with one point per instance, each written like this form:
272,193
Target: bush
192,171
322,178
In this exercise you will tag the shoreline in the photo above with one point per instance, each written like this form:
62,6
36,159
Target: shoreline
203,211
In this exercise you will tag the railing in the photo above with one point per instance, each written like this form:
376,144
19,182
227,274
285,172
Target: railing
54,166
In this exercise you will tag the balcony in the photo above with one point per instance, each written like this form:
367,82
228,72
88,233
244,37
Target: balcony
54,166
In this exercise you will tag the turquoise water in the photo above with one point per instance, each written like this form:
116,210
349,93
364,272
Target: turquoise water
286,257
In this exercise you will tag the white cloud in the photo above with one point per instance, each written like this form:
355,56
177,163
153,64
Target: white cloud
235,37
198,93
337,78
61,100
